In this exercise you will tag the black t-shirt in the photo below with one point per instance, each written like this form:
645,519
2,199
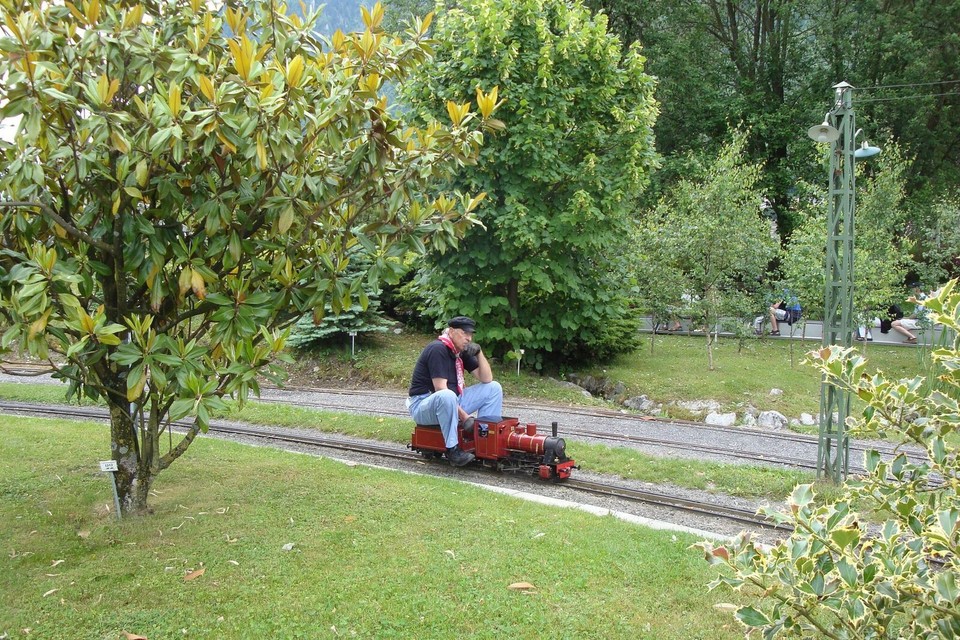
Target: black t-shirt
437,361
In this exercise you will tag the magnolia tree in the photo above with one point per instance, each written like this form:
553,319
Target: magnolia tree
839,577
185,183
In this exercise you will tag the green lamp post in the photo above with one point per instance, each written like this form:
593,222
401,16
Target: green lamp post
838,129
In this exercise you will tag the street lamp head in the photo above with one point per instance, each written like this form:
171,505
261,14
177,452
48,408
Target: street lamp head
823,132
865,151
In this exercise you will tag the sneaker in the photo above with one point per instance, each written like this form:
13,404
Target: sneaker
458,457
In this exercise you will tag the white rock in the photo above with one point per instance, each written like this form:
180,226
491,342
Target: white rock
699,406
807,420
776,392
772,419
722,419
749,420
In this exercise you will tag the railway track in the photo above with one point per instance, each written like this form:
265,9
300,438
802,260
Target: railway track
808,461
714,510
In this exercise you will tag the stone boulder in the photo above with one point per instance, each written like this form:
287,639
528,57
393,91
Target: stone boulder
641,403
722,419
772,420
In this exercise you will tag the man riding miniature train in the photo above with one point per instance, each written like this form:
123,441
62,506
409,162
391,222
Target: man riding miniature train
437,392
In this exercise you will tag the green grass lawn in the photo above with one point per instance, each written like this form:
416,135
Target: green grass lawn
376,554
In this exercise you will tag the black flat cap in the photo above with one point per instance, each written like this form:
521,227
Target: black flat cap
462,322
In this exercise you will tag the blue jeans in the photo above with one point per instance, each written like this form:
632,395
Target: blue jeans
440,407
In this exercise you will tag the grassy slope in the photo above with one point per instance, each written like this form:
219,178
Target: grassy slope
377,554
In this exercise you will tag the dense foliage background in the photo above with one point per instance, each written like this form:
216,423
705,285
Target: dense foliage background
766,67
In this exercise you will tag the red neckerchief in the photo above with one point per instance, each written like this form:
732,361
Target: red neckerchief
447,341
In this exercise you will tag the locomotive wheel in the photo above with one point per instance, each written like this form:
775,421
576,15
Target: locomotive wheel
431,455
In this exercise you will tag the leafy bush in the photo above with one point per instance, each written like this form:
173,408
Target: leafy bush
837,578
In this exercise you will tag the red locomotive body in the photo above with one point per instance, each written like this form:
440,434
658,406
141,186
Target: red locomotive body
505,444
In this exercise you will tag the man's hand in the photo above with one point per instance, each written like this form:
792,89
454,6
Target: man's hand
472,349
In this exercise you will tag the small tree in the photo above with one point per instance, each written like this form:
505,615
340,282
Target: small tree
186,183
881,254
834,577
710,240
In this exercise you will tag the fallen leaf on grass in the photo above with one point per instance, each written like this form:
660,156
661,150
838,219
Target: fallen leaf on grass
522,586
56,562
288,547
234,563
134,636
52,591
193,575
83,534
725,606
349,518
451,553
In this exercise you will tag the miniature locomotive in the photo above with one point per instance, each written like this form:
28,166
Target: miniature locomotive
504,444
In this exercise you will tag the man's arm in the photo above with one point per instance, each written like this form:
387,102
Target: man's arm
483,372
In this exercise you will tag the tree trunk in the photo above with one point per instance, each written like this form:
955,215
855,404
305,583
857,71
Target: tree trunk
709,347
133,476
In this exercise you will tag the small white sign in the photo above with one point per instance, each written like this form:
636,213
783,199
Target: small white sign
108,465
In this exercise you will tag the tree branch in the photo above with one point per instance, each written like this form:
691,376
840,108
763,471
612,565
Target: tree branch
53,215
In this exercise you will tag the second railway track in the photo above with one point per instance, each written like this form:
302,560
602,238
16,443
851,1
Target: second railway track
620,492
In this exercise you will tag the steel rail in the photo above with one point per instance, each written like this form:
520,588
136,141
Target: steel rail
27,368
744,516
740,454
752,456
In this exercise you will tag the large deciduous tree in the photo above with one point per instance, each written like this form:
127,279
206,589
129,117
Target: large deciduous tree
184,183
545,271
